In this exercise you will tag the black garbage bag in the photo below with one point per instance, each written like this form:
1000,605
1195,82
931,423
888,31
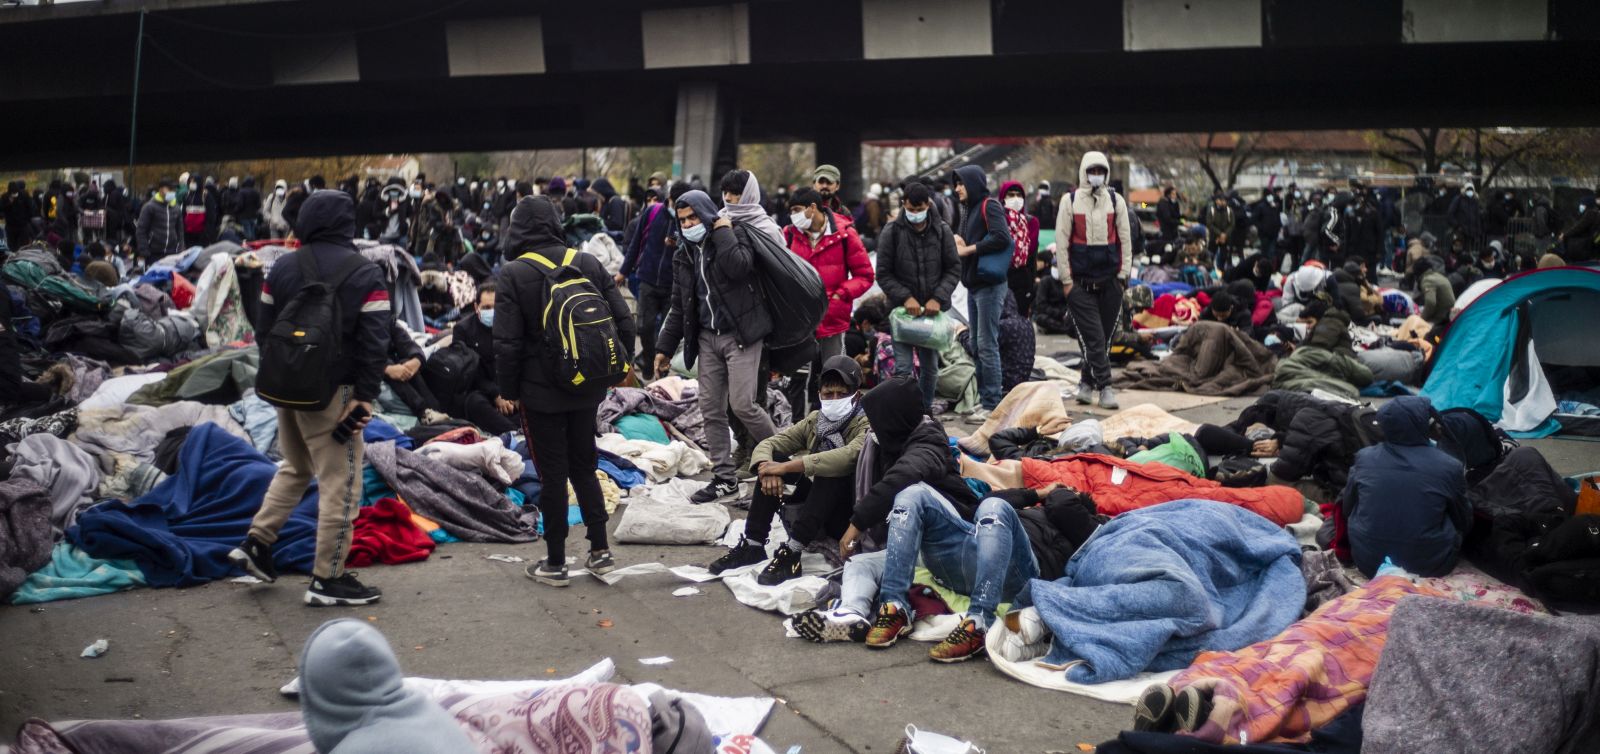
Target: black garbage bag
792,289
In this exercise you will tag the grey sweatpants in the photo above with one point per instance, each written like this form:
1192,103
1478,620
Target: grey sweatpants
1095,309
728,378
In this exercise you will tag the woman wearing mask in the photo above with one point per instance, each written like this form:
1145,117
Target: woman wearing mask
274,209
1025,232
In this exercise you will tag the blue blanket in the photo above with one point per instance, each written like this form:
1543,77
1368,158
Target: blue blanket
71,574
1156,586
179,533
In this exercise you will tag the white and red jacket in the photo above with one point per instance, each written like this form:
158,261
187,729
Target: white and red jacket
1093,223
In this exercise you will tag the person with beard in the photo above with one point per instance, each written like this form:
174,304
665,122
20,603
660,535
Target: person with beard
825,181
326,229
558,419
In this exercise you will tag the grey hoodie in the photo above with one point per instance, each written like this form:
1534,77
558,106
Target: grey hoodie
354,700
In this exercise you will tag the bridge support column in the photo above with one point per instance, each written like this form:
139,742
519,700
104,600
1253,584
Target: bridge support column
842,149
706,135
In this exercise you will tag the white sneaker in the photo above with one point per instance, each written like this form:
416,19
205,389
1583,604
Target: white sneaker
1085,393
977,417
1108,399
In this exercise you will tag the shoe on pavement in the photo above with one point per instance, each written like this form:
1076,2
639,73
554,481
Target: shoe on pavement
715,490
342,591
964,643
891,624
1153,711
544,574
830,626
1191,708
977,417
785,565
746,553
600,563
255,558
1085,393
1108,399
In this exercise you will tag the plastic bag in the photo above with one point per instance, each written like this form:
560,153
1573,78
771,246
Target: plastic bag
647,522
934,331
792,289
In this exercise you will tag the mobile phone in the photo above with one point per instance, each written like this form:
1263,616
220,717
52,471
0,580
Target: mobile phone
341,433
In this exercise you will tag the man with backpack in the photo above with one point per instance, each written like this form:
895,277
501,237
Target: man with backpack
561,330
1094,263
984,223
324,339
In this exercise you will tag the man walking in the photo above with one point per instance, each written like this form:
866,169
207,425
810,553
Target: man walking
1093,265
324,444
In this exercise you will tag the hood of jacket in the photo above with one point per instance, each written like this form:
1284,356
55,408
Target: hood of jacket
1091,159
535,225
603,187
703,207
894,409
976,182
327,217
350,679
1008,185
281,184
1405,420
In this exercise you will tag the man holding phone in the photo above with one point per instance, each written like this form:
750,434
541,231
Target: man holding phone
324,443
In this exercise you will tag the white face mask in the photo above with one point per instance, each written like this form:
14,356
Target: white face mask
916,218
416,193
1097,180
801,220
695,233
1055,273
1014,203
280,191
837,409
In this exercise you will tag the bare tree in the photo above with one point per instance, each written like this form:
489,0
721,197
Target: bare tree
1223,157
1422,151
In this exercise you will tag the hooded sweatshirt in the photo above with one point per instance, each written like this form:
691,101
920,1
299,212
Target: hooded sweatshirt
1406,500
914,448
713,285
1094,219
354,700
613,208
984,224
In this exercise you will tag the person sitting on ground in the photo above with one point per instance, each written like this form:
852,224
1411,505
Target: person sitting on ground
1406,500
483,404
1438,297
406,359
818,455
869,343
97,267
1223,308
1050,310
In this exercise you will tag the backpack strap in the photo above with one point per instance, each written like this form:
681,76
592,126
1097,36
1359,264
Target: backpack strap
539,260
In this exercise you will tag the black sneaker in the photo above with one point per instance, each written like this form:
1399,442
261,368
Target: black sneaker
1191,708
542,573
255,558
1154,712
785,565
716,490
342,591
746,553
830,625
600,562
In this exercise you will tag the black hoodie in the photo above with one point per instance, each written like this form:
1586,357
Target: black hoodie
522,357
325,227
984,224
613,208
913,449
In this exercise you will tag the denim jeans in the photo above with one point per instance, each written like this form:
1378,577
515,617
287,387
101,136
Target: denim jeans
927,368
983,315
859,587
989,561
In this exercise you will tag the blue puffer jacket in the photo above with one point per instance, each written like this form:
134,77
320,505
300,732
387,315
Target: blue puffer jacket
1406,500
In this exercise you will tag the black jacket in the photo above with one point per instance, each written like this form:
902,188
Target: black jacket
523,360
1050,311
984,224
326,227
1406,499
913,449
472,333
727,262
1017,443
160,230
1317,438
918,263
1056,527
1167,217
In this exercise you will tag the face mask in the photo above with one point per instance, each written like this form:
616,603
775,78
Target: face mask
1271,340
500,185
1055,273
461,181
474,186
193,186
917,218
486,236
486,206
837,409
695,233
800,220
171,196
415,193
280,192
1014,204
486,317
1097,180
1297,195
1469,193
948,192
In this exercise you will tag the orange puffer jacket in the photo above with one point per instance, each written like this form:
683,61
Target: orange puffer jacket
1142,485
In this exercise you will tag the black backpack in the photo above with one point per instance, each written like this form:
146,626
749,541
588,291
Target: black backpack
302,352
449,371
578,327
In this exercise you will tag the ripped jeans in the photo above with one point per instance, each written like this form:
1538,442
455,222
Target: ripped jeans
989,560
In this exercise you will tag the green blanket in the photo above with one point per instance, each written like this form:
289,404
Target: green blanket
1310,368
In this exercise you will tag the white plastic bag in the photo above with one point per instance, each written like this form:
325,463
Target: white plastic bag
648,522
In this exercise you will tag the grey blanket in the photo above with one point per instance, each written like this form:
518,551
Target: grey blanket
25,538
68,472
1457,677
136,430
461,502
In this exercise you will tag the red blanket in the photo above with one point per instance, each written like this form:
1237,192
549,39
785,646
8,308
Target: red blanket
384,533
1118,486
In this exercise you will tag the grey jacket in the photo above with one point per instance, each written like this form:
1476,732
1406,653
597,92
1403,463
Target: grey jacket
160,229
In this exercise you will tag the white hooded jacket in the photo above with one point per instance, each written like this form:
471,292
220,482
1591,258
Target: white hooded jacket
1093,216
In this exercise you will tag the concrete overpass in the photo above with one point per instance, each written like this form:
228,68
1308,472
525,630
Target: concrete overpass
261,78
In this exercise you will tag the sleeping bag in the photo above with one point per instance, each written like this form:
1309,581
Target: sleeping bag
1118,486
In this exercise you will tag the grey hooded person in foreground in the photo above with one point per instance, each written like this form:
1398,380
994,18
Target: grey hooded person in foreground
354,699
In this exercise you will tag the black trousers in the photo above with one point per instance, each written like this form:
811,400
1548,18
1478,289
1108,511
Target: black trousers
562,445
654,301
479,408
415,394
825,507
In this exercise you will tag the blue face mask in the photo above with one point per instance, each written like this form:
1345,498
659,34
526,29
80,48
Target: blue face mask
486,317
695,233
916,218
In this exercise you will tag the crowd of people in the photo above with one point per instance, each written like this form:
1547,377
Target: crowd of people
557,293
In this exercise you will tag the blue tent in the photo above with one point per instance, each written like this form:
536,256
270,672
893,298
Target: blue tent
1493,353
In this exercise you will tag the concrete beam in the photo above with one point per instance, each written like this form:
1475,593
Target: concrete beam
697,36
495,46
1427,21
1191,24
925,28
316,61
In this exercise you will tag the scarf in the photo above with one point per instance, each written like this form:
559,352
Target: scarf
1017,223
830,435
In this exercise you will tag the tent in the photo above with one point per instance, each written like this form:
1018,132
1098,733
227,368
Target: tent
1521,348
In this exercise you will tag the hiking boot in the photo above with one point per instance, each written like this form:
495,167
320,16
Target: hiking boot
832,625
891,624
1153,712
715,490
255,558
977,417
342,591
600,563
964,643
746,553
1108,399
1085,393
785,565
544,574
1191,708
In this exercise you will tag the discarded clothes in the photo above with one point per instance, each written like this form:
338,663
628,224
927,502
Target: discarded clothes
65,470
72,573
25,536
463,503
385,533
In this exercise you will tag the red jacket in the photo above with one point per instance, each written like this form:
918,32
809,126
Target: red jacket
842,262
1141,485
